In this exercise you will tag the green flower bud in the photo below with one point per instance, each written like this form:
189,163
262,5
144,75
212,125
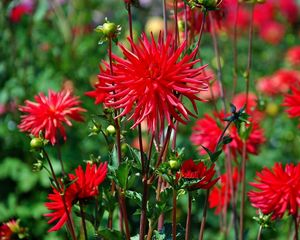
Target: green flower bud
109,29
36,143
38,166
111,129
174,164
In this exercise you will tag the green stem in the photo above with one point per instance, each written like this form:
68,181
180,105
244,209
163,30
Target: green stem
259,233
174,214
188,217
82,214
204,215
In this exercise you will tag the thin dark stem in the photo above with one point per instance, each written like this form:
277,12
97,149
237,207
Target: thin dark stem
186,26
143,217
243,193
259,233
58,147
59,188
166,142
247,77
176,23
144,208
188,217
130,20
204,215
222,134
200,34
296,237
235,50
174,214
124,213
123,217
82,214
217,53
165,19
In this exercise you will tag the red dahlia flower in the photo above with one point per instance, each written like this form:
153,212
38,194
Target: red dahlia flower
278,190
191,171
293,56
150,81
11,229
292,101
48,114
220,196
85,186
206,132
19,11
87,182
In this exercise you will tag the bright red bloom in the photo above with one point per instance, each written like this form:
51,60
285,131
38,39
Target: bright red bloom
19,11
272,32
220,196
293,56
56,205
9,230
87,182
207,132
192,171
150,81
5,232
254,141
292,102
48,114
280,82
85,186
278,190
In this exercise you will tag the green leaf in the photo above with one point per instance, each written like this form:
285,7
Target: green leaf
135,197
109,234
122,174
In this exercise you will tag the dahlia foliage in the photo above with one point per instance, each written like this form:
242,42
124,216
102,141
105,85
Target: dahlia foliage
157,83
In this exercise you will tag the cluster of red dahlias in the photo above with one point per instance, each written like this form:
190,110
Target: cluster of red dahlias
279,83
84,185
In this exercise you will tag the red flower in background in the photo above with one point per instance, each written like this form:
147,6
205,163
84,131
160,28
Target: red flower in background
206,132
272,32
85,186
5,232
239,100
11,229
280,82
293,56
19,11
292,102
220,196
254,141
148,82
48,114
190,170
278,190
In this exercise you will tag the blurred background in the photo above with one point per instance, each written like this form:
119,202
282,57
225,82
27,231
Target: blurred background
52,45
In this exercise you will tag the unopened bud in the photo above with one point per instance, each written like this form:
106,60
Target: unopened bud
174,164
36,143
111,129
